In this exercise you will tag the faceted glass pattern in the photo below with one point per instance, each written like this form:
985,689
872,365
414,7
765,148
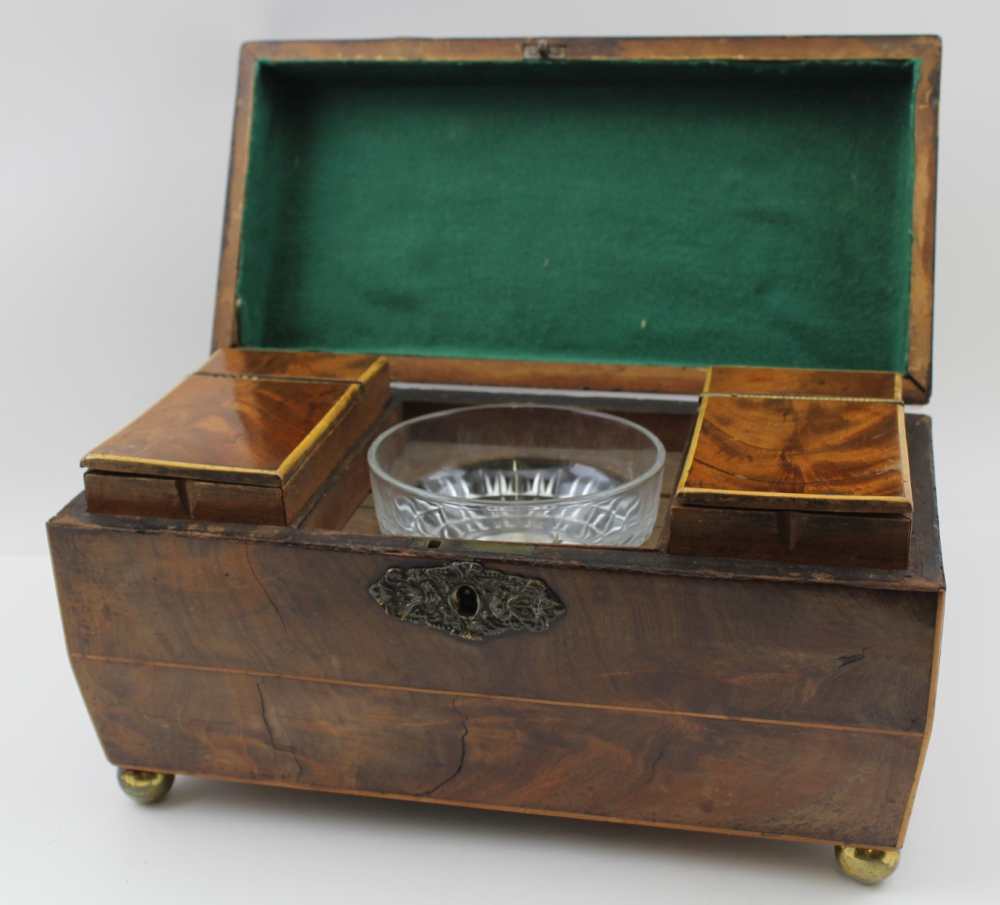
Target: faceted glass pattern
522,473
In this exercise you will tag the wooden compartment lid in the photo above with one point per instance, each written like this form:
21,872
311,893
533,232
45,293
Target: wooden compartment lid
248,437
505,211
799,440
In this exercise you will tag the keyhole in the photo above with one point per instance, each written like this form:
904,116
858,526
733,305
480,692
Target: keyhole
466,601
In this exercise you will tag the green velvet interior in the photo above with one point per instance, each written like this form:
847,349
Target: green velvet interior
678,213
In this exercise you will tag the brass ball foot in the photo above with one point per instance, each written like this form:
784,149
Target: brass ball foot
866,865
145,787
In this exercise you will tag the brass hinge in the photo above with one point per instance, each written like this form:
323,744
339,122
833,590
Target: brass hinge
543,50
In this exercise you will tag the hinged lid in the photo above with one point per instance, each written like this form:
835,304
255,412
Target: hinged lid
500,212
810,441
249,437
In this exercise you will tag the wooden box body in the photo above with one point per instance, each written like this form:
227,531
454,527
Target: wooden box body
759,698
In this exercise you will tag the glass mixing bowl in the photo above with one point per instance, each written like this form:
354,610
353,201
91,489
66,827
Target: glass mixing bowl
518,472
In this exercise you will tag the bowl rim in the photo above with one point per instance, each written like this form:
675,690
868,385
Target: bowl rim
598,495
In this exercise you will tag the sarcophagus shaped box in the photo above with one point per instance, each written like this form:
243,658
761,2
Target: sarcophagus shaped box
647,220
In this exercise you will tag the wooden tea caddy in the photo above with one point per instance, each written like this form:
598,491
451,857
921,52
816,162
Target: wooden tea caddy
543,217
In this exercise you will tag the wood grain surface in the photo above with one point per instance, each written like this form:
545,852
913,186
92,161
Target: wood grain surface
924,571
290,365
714,694
784,700
783,535
137,495
349,486
666,770
547,374
328,450
251,437
797,453
240,430
745,381
756,650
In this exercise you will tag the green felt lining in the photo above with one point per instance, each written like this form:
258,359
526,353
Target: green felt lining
653,213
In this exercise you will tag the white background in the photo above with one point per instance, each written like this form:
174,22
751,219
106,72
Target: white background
114,143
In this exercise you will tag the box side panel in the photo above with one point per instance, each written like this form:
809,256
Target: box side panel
928,723
715,775
330,449
130,494
798,382
783,535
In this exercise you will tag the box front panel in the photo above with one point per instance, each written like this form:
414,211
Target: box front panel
760,649
598,763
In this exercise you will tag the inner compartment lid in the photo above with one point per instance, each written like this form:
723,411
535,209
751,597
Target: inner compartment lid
681,202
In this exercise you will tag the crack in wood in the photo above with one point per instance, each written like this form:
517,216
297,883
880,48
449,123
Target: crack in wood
461,753
182,496
284,749
656,762
848,659
264,590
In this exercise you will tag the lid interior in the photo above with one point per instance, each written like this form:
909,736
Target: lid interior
677,212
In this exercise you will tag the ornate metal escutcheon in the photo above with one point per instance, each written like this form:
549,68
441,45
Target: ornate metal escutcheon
467,600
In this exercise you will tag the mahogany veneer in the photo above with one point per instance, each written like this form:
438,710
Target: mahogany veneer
768,671
807,466
724,695
250,437
747,381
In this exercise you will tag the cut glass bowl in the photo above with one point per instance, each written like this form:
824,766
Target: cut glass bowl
518,472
